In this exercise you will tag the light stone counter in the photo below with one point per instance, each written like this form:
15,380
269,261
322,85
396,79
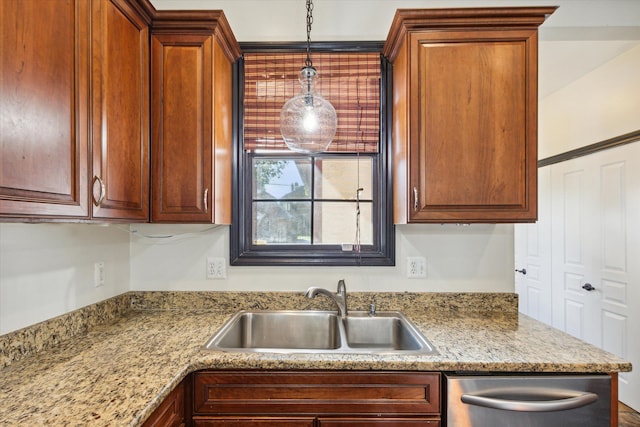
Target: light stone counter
118,373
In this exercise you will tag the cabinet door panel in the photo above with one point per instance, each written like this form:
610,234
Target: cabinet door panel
120,111
300,392
182,127
473,140
253,421
377,421
43,113
170,413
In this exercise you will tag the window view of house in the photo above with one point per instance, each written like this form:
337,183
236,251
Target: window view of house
312,201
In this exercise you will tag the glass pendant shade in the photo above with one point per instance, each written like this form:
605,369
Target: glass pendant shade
308,121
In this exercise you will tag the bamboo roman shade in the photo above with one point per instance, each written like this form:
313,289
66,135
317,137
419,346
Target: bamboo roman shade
349,80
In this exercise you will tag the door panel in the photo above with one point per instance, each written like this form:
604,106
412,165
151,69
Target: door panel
120,112
182,128
533,257
377,421
575,242
44,92
253,421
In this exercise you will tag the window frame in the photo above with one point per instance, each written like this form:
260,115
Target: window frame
242,250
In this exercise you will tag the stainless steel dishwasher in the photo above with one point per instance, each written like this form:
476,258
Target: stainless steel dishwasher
528,401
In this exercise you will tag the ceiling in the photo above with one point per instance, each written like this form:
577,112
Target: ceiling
577,38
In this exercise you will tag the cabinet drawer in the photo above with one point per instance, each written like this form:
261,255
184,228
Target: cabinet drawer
254,421
382,422
319,393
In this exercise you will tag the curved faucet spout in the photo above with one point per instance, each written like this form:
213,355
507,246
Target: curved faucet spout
339,297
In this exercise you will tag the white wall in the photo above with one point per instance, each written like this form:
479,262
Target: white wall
602,104
47,269
475,258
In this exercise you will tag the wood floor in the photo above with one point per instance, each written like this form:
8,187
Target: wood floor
627,417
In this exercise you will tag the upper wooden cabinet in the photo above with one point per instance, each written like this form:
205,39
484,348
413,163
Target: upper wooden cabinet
44,107
74,83
120,115
192,56
75,124
465,114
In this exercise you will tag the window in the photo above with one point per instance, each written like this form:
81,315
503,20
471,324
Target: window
330,208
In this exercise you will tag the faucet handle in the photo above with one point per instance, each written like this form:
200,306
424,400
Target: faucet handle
342,288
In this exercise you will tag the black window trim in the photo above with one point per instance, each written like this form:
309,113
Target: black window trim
242,251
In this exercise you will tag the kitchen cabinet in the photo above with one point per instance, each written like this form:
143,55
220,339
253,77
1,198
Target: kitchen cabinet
75,111
44,113
171,412
316,398
192,56
120,116
464,122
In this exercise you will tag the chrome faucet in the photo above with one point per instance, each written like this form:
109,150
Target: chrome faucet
339,297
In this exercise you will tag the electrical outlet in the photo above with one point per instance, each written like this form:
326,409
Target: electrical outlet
416,267
216,268
98,274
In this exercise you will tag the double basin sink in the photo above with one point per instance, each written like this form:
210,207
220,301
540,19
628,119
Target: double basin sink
304,331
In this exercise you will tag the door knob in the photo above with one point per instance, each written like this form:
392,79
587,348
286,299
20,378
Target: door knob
588,287
523,271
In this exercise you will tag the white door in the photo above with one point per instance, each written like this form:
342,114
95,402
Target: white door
574,248
533,256
596,254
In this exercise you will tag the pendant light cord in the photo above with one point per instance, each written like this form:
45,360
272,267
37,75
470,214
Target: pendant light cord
308,62
359,190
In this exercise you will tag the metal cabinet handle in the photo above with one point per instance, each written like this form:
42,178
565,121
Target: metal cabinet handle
103,191
415,199
588,287
555,404
206,199
523,271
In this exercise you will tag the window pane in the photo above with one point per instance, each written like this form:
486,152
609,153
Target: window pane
281,223
338,178
335,223
281,178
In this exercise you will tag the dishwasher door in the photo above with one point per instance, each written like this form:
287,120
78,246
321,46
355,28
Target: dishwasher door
528,401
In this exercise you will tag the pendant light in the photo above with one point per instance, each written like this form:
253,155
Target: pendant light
308,121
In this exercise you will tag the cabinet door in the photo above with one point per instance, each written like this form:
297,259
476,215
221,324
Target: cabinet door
254,421
170,413
44,81
182,127
287,393
473,147
377,421
120,111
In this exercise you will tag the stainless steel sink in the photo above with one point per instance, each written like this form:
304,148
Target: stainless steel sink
386,331
279,329
303,331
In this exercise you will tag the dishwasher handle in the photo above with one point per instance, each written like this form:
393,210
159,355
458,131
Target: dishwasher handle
555,404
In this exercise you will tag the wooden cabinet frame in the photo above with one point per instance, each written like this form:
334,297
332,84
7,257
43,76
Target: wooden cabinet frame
465,114
331,398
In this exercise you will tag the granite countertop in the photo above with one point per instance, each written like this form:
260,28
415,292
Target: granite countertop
118,373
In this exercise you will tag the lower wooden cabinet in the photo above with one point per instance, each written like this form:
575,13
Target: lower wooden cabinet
171,412
316,398
302,399
311,422
255,421
378,422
